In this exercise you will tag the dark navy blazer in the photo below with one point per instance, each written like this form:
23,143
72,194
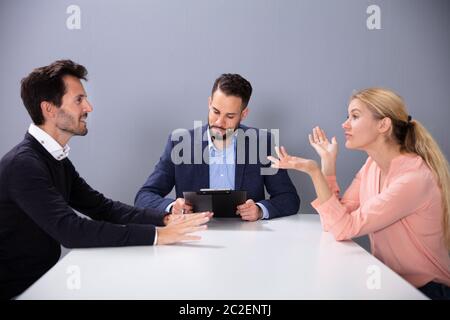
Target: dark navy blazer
283,200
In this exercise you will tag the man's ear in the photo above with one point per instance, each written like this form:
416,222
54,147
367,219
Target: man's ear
209,101
244,113
385,125
48,110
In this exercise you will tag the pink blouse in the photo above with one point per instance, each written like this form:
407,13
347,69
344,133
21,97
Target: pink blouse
403,220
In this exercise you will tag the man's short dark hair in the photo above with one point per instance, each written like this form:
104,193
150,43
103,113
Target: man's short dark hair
234,85
47,84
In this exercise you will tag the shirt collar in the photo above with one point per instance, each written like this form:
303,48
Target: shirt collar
49,143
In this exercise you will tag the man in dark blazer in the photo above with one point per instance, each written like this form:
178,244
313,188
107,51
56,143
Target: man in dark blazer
221,155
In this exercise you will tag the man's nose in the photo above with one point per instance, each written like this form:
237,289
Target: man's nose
88,107
220,121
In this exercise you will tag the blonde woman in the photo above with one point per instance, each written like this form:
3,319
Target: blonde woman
400,197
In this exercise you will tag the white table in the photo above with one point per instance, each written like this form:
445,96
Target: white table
287,258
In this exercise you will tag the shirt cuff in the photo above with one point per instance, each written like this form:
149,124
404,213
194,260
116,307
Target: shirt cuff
169,207
264,210
156,237
330,211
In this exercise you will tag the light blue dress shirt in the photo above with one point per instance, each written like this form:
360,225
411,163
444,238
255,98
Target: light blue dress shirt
222,168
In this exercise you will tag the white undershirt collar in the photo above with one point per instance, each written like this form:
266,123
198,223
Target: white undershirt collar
50,144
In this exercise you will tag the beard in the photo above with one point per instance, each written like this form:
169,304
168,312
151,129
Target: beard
70,124
222,137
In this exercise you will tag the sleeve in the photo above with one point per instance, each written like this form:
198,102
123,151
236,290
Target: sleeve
284,200
159,183
169,207
32,190
350,200
265,212
95,205
399,199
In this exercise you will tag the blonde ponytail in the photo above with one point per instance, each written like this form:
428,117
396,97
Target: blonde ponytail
418,140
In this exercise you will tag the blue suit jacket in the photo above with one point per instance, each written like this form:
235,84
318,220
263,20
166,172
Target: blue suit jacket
283,199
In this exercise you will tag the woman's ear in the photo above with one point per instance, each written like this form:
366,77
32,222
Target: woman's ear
385,125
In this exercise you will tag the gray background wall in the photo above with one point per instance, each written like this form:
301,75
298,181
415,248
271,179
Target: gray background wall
152,65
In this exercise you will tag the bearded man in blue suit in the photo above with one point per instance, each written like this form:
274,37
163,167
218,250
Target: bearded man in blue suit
222,155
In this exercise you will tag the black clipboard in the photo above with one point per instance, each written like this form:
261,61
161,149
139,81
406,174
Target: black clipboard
223,202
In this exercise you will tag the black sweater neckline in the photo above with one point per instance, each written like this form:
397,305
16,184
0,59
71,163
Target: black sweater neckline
40,148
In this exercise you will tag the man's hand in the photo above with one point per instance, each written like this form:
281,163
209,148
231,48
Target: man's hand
169,218
249,211
181,207
181,227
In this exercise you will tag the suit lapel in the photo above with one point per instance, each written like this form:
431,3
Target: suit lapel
202,170
240,167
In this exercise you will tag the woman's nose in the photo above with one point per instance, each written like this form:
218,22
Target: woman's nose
345,124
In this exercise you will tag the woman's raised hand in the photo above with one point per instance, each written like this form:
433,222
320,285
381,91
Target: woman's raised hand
327,150
286,161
